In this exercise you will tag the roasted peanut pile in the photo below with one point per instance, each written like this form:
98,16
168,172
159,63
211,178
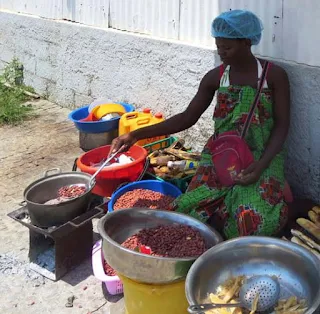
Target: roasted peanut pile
71,191
109,270
169,241
165,241
143,198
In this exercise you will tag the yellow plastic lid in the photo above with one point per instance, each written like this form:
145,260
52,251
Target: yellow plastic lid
102,110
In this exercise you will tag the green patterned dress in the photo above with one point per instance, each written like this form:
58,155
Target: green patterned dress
257,209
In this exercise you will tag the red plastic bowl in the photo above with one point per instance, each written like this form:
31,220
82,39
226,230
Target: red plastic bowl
109,179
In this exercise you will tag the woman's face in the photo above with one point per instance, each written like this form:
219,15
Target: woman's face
231,51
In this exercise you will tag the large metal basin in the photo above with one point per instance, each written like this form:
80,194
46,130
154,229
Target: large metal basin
46,188
88,141
117,226
298,270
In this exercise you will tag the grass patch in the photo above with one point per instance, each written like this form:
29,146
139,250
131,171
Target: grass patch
13,109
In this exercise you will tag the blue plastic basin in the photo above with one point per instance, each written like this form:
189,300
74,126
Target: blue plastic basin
95,126
153,185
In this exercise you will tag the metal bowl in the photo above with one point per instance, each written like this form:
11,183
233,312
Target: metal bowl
46,188
119,225
298,270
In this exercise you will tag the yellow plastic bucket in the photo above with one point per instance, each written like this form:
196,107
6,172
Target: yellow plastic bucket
143,298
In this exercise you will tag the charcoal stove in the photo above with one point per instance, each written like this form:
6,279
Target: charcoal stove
54,251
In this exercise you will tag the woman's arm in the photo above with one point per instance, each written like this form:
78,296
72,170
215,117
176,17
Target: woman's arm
182,121
281,110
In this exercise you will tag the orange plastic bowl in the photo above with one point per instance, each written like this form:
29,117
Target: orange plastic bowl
109,179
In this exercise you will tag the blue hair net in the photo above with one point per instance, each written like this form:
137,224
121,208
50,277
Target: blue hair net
238,24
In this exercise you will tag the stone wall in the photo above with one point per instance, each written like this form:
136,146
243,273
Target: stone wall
71,64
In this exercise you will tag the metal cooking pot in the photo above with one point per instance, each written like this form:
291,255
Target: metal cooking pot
119,225
297,269
46,188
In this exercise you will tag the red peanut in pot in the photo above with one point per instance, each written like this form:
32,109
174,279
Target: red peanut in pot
71,191
143,198
169,241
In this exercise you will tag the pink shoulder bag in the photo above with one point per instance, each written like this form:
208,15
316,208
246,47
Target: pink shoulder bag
230,152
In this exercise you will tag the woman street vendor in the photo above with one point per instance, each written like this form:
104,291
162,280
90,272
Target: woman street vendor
255,204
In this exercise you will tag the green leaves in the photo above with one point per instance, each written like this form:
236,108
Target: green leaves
13,109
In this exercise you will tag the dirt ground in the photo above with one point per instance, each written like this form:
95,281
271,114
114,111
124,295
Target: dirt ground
26,151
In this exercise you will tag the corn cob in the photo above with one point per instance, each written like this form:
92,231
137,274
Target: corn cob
305,239
163,169
154,154
161,160
314,218
182,154
316,209
309,226
298,241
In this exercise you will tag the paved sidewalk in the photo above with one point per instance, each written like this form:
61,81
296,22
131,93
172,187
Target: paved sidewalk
26,151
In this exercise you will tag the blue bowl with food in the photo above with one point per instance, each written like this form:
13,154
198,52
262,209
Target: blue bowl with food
151,194
100,126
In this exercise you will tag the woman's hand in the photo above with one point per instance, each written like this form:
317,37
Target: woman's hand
250,175
122,143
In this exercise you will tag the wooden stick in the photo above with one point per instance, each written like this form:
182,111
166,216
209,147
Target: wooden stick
24,91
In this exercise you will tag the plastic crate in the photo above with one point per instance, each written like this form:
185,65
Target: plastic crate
165,143
181,184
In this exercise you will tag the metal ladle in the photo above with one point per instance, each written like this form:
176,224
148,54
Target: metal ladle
267,288
93,177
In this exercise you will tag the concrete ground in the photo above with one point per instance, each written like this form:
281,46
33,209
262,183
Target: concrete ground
26,151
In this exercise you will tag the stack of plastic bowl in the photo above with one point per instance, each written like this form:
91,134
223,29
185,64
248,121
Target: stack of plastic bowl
93,134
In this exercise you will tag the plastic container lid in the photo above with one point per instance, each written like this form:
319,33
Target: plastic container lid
99,102
102,110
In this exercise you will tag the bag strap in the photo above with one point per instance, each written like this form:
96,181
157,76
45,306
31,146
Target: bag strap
256,99
221,70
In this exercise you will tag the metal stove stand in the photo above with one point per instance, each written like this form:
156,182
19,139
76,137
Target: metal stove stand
54,251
